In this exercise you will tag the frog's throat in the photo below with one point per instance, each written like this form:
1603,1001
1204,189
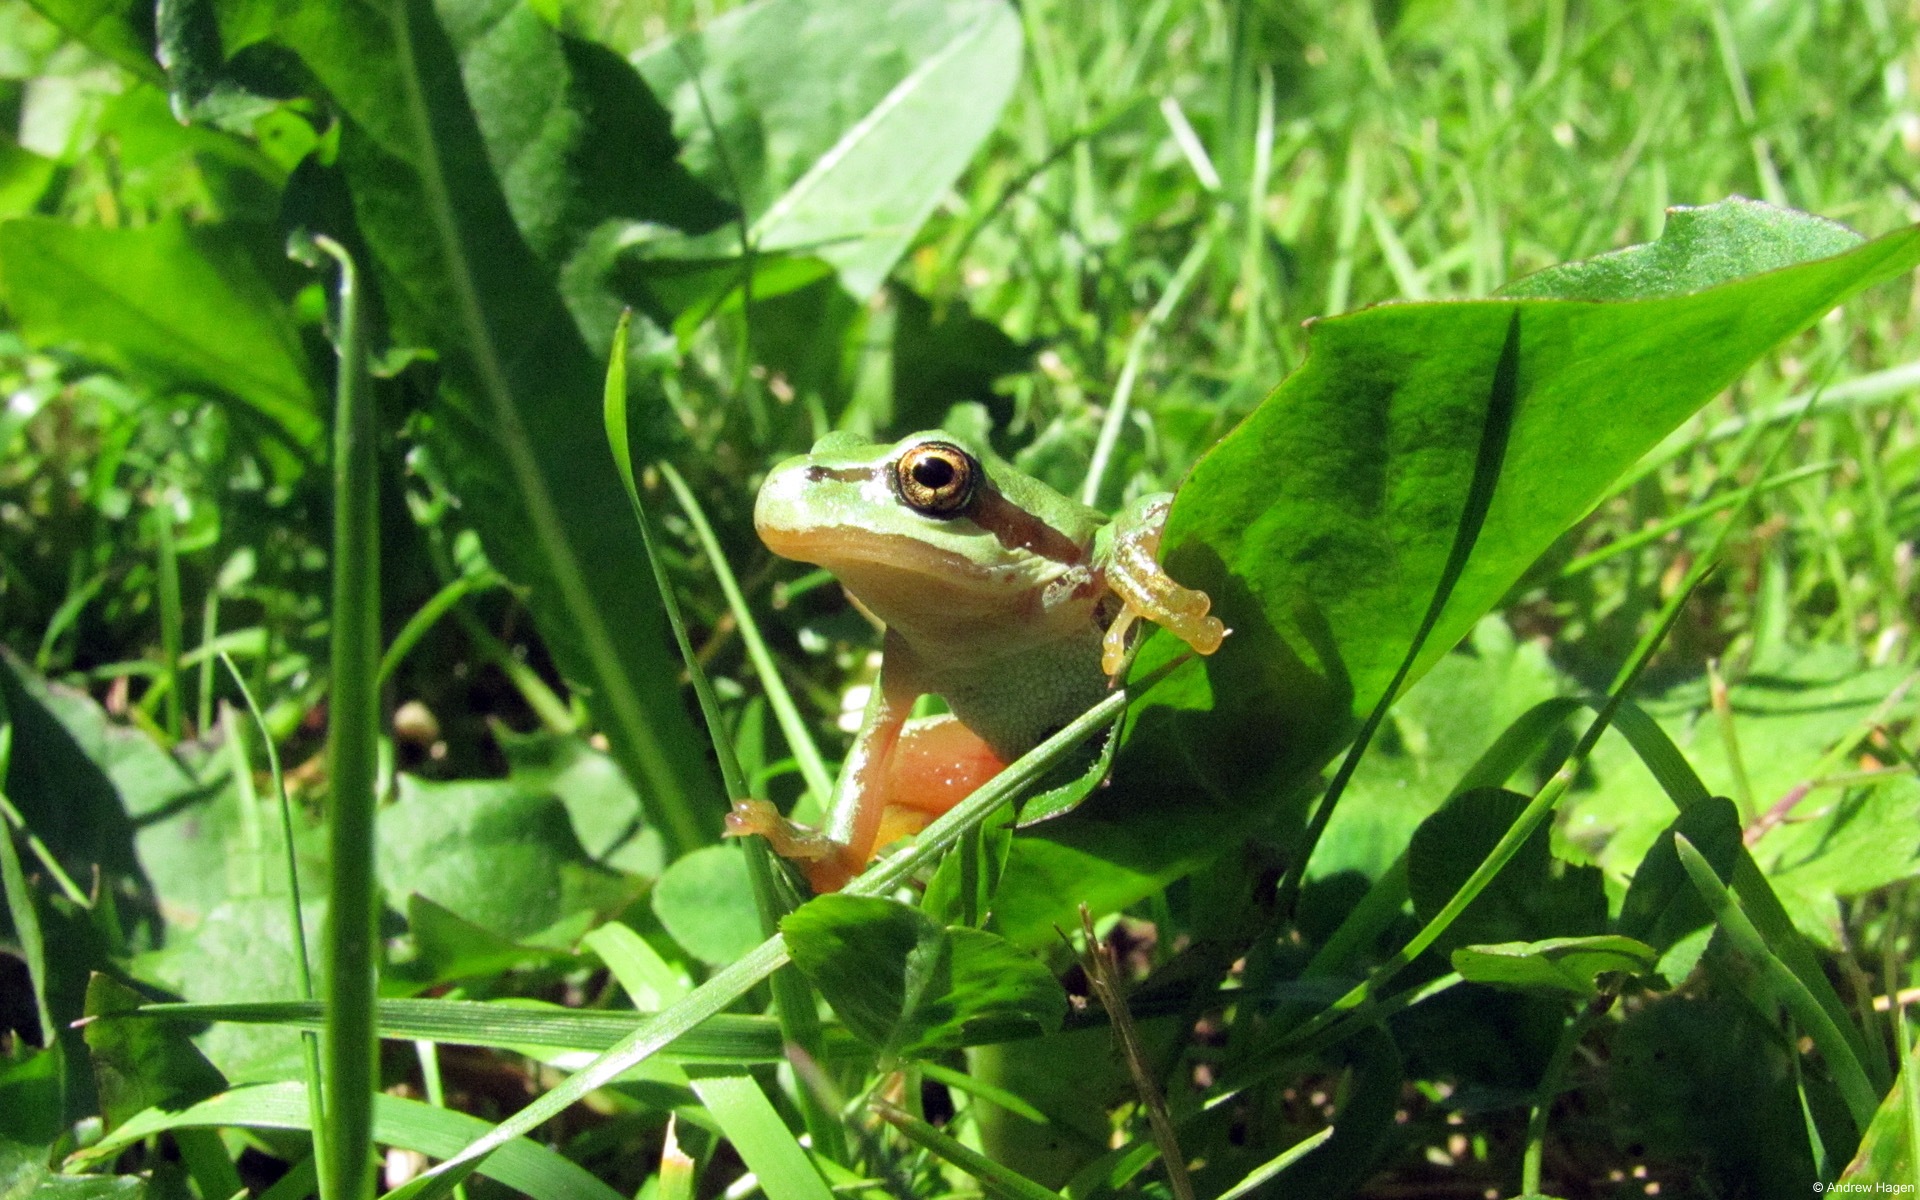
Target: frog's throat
879,567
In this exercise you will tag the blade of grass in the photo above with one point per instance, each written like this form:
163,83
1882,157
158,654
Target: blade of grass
760,1137
793,999
1259,1176
1910,1087
429,1056
728,1038
1848,1073
523,1165
799,739
296,929
995,1179
21,907
1122,399
960,1081
167,584
429,615
1680,520
353,727
209,634
733,981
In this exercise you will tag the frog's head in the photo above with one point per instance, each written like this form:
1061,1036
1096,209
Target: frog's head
923,527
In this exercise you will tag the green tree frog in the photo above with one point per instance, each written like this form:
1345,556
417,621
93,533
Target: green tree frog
1004,598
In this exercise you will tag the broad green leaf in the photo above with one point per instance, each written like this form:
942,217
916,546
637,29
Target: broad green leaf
1536,897
520,1164
1675,1064
705,900
1662,908
1321,524
184,307
240,951
601,802
513,422
1570,965
30,1097
24,178
837,128
583,151
908,985
139,1065
448,948
498,854
1700,248
111,28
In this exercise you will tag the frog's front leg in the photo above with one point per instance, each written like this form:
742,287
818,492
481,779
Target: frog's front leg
1133,572
833,857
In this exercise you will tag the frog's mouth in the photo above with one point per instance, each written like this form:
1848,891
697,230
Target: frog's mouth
865,560
922,588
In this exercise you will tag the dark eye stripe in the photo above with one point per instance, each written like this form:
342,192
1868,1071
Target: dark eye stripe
840,474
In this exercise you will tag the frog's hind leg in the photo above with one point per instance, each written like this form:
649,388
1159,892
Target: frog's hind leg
937,763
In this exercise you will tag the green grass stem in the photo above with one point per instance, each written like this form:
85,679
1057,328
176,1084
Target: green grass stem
429,614
353,727
167,587
793,999
296,927
766,669
1120,404
209,635
1848,1073
733,981
996,1180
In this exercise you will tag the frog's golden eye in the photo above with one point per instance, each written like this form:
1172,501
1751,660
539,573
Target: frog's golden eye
936,479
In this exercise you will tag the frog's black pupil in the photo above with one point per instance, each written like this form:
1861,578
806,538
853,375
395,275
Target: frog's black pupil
933,473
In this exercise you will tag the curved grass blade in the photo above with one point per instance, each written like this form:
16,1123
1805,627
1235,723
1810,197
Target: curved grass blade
1849,1075
750,1122
520,1164
812,768
1266,1171
792,998
732,982
995,1179
297,931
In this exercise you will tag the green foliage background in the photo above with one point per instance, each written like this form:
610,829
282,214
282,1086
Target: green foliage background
1093,232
